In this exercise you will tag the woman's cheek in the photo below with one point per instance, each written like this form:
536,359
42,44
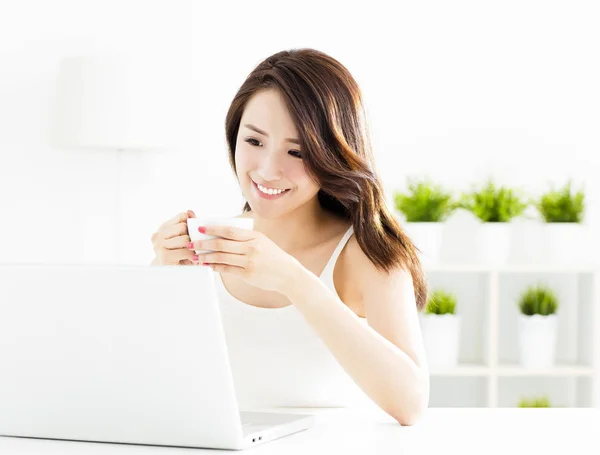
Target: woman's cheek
297,173
294,169
242,159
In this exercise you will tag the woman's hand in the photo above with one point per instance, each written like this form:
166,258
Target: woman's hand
249,255
170,241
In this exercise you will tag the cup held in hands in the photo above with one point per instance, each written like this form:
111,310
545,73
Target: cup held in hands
194,223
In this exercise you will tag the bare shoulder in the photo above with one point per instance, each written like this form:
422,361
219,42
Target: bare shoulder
364,279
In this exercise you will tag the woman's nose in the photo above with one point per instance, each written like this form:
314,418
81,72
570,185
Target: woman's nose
270,169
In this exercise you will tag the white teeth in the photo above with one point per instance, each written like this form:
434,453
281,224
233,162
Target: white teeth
269,190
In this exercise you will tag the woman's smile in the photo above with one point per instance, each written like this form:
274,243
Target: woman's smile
268,194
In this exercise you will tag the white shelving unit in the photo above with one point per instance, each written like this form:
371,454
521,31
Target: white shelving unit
489,374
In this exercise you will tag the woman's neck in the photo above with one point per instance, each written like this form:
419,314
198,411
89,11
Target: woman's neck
295,231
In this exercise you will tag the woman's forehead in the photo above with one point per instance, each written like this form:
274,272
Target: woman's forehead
267,111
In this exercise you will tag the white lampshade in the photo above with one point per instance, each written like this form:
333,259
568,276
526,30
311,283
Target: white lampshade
112,101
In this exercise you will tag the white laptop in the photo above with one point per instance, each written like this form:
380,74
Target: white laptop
122,354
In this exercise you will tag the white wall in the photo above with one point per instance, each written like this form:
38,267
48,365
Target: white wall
457,90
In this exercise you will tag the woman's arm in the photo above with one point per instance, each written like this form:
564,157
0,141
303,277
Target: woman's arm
386,358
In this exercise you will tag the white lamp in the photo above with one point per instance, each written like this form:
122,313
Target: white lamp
112,102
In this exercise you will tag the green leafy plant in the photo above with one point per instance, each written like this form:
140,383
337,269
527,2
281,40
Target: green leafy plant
562,205
492,203
538,299
441,302
535,402
424,202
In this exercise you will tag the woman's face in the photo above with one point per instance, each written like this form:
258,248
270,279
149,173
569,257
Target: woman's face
268,157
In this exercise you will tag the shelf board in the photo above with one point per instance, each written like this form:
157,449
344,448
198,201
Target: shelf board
467,370
516,268
557,370
462,370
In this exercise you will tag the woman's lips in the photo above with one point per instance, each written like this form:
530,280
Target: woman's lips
268,197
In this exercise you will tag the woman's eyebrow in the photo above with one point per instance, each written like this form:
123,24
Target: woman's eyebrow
264,133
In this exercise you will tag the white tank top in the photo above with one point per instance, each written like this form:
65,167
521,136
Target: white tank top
278,360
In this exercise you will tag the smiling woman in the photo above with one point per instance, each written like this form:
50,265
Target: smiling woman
320,299
299,145
309,88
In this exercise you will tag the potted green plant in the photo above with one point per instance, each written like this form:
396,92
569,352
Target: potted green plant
440,326
425,206
563,232
538,325
535,402
494,206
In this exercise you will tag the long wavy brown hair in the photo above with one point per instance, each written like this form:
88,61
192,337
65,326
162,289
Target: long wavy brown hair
325,103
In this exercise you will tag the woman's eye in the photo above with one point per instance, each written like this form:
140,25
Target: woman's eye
252,142
255,143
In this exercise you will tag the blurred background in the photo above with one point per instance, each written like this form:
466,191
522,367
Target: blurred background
481,113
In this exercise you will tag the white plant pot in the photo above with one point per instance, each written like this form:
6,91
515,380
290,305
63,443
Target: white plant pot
564,243
427,237
537,340
441,334
526,242
493,243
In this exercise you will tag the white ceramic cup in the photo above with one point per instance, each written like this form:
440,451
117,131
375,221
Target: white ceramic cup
194,223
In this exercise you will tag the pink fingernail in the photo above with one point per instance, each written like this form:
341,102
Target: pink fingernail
195,257
191,246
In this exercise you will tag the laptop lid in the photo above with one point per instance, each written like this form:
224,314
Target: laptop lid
132,354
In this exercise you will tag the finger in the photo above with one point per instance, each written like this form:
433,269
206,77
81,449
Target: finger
230,232
179,218
221,268
175,243
175,256
238,260
221,244
174,231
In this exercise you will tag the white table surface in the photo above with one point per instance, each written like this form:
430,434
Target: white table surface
441,431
